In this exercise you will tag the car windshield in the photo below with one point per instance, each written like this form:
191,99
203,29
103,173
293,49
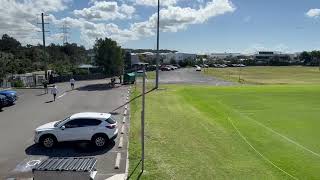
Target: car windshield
59,123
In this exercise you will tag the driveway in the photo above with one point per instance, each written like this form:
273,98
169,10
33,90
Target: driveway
17,123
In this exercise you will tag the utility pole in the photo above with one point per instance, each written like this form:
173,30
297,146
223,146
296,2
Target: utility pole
65,32
44,45
142,116
157,62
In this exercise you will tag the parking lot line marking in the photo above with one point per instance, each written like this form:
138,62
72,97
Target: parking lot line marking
118,158
125,112
124,120
120,142
62,95
122,129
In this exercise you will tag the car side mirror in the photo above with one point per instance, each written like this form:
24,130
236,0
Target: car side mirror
62,127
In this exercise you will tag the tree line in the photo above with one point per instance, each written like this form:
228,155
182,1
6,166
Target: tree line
62,59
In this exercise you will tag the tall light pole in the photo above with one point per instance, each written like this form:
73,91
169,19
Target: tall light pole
158,57
143,116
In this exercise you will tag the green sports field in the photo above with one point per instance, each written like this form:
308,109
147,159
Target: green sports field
240,132
268,74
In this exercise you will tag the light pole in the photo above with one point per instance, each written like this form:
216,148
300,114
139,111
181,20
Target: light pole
157,61
142,116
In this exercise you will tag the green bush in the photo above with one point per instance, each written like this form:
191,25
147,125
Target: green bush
17,83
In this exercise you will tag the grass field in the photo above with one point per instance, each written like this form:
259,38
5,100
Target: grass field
269,74
240,132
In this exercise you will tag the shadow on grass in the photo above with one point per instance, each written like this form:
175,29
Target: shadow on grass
134,170
133,99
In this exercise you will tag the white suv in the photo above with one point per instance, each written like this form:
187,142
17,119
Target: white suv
98,128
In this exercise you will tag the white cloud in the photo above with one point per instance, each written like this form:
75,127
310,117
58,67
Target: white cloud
313,13
19,18
105,10
173,18
155,2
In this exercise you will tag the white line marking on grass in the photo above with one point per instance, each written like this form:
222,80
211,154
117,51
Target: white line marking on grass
284,137
61,95
261,155
118,158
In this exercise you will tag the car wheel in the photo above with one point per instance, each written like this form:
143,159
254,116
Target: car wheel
100,140
48,141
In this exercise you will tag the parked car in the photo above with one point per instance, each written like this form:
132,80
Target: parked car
3,101
165,68
99,128
10,95
198,68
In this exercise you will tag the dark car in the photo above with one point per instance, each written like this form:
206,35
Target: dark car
10,95
3,101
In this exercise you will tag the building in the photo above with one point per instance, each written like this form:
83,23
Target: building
222,56
134,59
267,56
167,57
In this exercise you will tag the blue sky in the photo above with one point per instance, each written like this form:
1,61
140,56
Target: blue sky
197,26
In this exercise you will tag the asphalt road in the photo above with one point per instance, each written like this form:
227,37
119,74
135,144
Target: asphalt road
189,76
17,123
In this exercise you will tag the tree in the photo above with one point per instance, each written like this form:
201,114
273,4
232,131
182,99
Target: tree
305,57
127,61
9,44
173,61
108,55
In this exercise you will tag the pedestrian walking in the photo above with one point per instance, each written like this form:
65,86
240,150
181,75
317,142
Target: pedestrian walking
54,92
45,86
72,82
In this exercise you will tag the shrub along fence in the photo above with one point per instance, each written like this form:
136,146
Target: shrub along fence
67,78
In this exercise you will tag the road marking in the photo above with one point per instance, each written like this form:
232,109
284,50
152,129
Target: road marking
120,142
124,120
125,112
261,155
122,129
126,106
62,95
118,158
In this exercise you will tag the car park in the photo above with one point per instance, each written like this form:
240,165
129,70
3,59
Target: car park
10,95
98,128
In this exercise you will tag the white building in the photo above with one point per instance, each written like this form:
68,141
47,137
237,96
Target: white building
134,59
177,57
223,55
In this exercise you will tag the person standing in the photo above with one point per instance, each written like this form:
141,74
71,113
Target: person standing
45,86
54,92
72,82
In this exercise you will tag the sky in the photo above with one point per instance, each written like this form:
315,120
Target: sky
192,26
